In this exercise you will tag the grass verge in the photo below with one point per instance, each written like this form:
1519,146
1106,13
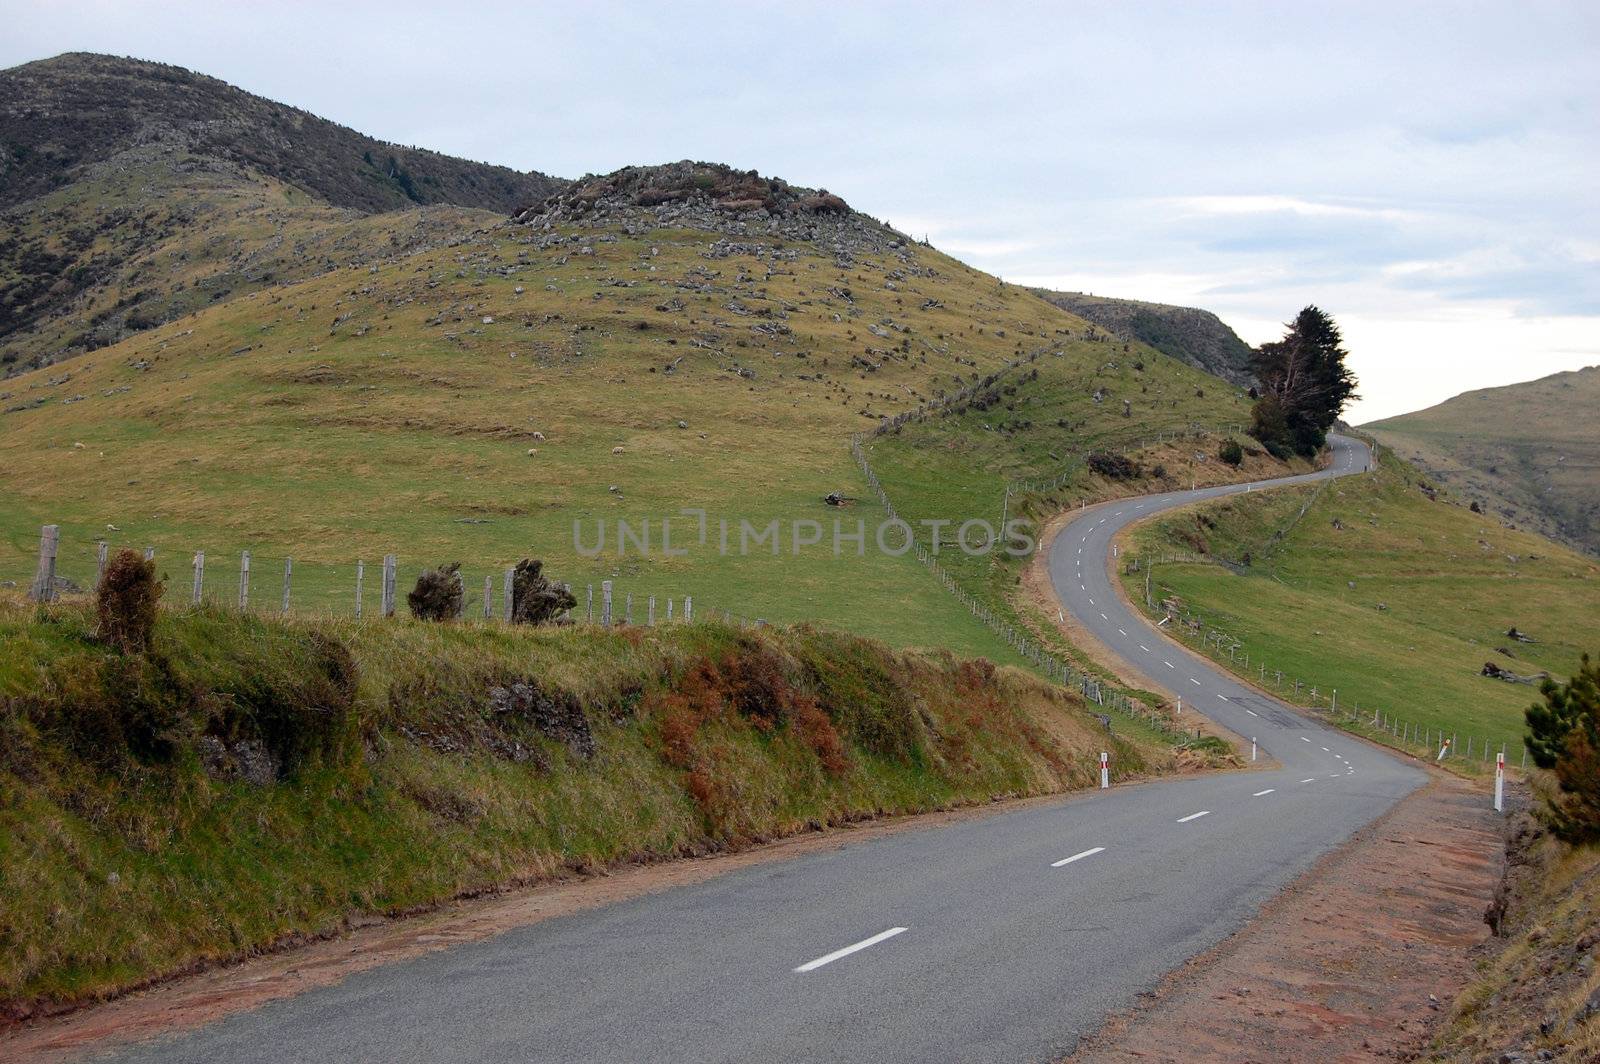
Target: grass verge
249,780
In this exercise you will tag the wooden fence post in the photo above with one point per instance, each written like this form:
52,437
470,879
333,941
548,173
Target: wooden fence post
461,595
388,585
361,573
149,554
508,591
100,552
669,610
589,600
605,604
488,597
197,593
688,608
567,613
44,580
288,575
651,614
244,581
627,609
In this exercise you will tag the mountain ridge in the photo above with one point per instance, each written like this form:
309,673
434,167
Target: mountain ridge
1188,334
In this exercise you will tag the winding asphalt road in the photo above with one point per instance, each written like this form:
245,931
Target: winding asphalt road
1000,939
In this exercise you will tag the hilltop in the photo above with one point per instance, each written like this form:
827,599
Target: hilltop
1188,334
1522,452
133,192
729,332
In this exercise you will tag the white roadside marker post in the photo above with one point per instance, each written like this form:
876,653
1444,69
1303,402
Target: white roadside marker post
1180,706
1252,748
1105,770
1500,783
1443,750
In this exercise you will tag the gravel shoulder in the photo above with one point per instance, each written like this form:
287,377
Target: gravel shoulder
1358,960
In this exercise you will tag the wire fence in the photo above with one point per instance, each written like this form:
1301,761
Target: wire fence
1422,739
1021,640
269,583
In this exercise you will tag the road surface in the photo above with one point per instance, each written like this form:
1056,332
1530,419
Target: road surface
1000,939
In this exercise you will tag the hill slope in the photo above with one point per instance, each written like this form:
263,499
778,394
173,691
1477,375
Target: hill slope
466,402
134,192
1188,334
1523,452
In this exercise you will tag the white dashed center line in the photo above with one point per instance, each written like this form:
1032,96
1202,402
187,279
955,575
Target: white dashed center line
838,954
1168,664
1077,857
1194,681
1144,648
1313,779
1258,794
1304,739
1252,712
1194,816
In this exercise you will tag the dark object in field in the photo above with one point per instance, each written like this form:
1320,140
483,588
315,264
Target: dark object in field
534,598
1113,466
833,498
1495,672
437,596
125,602
1520,636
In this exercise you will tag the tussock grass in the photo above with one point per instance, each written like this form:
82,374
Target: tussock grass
251,780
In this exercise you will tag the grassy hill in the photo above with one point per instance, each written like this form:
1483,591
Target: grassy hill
1380,588
467,403
132,193
1524,452
1188,334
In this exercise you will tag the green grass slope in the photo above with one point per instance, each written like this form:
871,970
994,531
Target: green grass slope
250,780
468,403
1525,453
1369,586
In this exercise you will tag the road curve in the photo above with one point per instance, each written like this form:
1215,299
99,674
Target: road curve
1000,939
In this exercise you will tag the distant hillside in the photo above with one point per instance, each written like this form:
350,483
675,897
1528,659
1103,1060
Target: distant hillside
132,193
1528,453
59,116
1190,335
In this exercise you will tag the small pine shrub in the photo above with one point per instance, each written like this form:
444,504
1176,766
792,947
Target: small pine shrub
125,602
1231,453
437,596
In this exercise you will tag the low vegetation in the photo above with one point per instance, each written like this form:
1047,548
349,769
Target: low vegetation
1537,997
243,780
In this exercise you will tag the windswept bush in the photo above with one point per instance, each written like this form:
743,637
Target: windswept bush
535,599
125,602
1231,453
437,596
1113,466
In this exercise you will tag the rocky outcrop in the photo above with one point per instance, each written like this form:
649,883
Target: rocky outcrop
741,204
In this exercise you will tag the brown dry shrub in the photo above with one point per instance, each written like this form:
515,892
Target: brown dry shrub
822,737
125,602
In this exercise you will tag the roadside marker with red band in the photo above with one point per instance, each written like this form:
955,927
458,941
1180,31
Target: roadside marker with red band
1105,770
1500,782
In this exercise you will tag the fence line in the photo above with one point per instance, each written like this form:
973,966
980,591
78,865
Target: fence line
1407,735
1053,667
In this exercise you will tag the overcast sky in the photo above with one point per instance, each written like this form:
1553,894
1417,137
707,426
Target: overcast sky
1426,173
